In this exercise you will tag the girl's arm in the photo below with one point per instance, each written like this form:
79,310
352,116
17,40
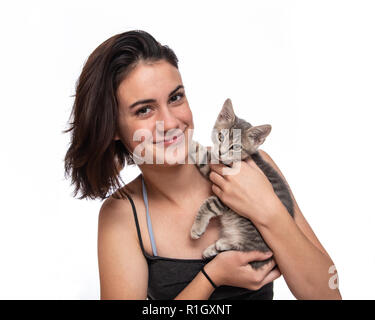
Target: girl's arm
231,268
302,260
310,276
123,269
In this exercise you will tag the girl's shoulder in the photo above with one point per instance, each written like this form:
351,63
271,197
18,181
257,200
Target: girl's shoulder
117,209
119,202
132,189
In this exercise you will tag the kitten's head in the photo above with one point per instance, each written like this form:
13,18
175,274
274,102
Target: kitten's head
227,141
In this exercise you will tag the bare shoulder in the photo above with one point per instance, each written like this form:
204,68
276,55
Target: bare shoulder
114,210
117,209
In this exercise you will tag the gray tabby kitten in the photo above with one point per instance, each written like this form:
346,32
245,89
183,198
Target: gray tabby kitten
237,233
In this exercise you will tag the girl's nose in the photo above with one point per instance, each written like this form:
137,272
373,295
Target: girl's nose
168,119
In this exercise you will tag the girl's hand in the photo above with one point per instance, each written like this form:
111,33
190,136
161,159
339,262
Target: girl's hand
245,189
232,268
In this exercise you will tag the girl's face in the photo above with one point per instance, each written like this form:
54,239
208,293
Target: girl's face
154,114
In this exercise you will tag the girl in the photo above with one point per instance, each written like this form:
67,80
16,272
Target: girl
130,84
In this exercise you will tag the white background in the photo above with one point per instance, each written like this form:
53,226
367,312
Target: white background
305,67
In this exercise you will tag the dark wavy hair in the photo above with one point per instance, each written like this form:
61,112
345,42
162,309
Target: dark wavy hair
94,160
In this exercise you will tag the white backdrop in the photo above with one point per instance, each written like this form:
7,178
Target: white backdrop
305,67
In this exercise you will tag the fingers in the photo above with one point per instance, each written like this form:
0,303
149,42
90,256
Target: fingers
224,170
217,179
263,275
269,266
271,276
218,168
216,190
255,256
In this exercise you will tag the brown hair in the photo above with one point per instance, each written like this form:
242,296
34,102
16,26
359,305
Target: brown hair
94,160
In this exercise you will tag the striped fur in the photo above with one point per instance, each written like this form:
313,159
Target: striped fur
237,233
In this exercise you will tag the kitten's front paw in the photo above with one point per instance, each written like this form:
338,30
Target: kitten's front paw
197,229
194,234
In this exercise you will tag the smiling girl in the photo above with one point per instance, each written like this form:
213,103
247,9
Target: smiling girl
130,84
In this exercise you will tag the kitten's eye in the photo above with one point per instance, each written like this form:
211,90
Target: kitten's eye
220,137
236,147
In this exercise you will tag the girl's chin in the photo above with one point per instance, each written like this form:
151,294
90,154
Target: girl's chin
172,158
171,155
168,156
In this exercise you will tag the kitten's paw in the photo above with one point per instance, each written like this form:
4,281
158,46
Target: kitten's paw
210,251
197,229
194,234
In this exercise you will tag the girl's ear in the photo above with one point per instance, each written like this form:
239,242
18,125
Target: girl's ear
116,137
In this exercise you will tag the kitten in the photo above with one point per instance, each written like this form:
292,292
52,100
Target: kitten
237,232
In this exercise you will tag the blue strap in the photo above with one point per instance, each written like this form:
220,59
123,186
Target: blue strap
153,245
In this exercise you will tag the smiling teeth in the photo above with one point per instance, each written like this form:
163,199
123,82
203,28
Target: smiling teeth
170,139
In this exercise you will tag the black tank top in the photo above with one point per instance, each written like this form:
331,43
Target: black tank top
169,276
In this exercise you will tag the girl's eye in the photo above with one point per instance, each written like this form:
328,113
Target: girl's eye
140,111
143,111
181,95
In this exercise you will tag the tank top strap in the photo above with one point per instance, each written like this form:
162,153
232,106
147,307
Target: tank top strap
149,225
136,222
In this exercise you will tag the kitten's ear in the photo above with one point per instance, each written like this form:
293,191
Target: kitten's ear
226,115
258,134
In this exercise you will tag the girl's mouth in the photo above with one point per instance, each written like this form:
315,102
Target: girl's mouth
173,140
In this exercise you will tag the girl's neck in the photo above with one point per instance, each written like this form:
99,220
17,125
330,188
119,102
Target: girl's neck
174,183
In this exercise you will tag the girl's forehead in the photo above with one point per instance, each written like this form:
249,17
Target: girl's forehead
148,82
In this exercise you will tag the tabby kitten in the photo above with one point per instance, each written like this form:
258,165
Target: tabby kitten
237,232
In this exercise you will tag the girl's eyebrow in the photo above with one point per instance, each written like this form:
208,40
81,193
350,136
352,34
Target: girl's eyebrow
153,100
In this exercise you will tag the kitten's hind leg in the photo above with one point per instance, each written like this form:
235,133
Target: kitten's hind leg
258,264
223,244
210,251
211,207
